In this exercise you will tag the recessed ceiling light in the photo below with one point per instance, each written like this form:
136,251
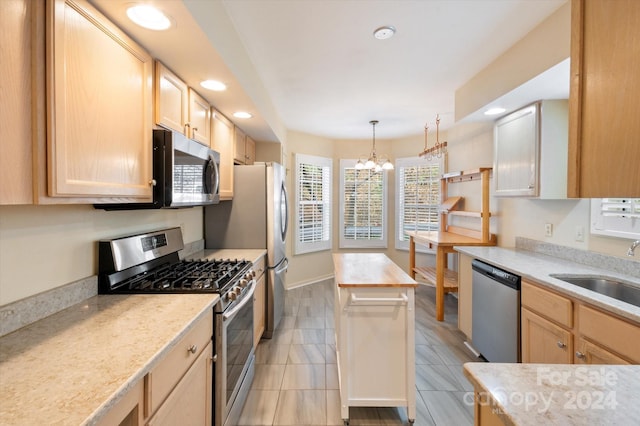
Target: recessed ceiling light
242,114
148,17
384,33
494,111
214,85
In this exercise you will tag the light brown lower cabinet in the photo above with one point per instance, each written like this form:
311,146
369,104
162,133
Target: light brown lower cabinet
558,329
129,411
178,390
590,353
544,341
189,403
259,301
484,412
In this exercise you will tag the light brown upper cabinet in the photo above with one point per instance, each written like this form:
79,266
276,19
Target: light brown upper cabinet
99,106
250,150
245,148
223,142
604,151
199,118
180,108
240,139
16,39
172,99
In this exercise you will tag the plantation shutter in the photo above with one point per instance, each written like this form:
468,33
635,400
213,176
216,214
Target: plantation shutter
313,197
363,199
417,197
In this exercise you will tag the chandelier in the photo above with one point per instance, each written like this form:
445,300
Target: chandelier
374,162
439,149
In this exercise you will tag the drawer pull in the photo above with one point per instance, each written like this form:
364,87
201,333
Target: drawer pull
193,349
561,345
580,355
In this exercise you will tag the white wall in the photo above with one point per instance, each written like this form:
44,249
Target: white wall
44,247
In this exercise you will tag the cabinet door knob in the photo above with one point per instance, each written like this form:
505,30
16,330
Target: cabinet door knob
153,182
193,349
580,355
561,345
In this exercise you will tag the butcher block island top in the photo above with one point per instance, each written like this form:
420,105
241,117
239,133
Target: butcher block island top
369,270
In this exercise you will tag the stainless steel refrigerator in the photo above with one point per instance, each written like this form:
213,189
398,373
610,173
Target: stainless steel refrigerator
256,218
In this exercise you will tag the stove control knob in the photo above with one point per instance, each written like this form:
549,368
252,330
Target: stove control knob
232,295
253,273
243,283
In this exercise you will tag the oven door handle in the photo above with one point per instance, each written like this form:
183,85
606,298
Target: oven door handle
246,299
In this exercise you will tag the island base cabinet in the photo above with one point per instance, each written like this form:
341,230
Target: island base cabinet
375,348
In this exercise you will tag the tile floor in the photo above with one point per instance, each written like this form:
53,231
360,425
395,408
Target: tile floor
296,380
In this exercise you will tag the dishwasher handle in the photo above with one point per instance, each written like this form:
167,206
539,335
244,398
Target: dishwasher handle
496,274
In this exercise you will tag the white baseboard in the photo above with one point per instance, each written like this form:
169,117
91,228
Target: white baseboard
311,281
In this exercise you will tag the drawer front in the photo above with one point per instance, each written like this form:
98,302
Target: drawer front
618,335
547,304
259,266
170,370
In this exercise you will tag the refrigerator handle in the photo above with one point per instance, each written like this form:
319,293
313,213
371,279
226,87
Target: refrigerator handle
286,211
278,268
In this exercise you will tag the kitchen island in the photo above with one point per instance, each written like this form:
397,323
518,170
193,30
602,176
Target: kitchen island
375,333
545,394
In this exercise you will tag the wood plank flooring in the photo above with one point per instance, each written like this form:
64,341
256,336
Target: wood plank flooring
296,381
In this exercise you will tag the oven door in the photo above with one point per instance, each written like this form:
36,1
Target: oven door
234,368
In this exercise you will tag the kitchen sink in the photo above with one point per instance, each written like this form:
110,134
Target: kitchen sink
606,286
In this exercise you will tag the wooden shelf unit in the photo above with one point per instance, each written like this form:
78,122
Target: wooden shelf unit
445,280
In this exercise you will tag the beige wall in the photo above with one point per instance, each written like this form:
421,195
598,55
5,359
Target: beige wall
44,247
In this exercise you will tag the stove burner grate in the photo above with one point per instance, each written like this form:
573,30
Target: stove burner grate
188,276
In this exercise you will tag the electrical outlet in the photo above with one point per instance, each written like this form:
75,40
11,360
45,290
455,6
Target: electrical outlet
579,233
548,229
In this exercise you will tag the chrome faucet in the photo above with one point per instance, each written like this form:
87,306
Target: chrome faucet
631,250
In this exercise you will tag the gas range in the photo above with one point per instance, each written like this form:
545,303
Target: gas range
149,263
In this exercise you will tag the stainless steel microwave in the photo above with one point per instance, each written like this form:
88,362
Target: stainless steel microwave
185,173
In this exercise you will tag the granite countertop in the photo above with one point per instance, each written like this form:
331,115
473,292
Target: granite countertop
543,394
538,267
73,366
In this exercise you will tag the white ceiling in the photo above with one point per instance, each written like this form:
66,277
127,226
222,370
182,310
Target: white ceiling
314,66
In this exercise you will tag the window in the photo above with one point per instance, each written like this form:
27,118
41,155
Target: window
363,216
616,217
417,196
313,204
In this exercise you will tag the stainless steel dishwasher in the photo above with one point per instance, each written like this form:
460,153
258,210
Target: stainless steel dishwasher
495,313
